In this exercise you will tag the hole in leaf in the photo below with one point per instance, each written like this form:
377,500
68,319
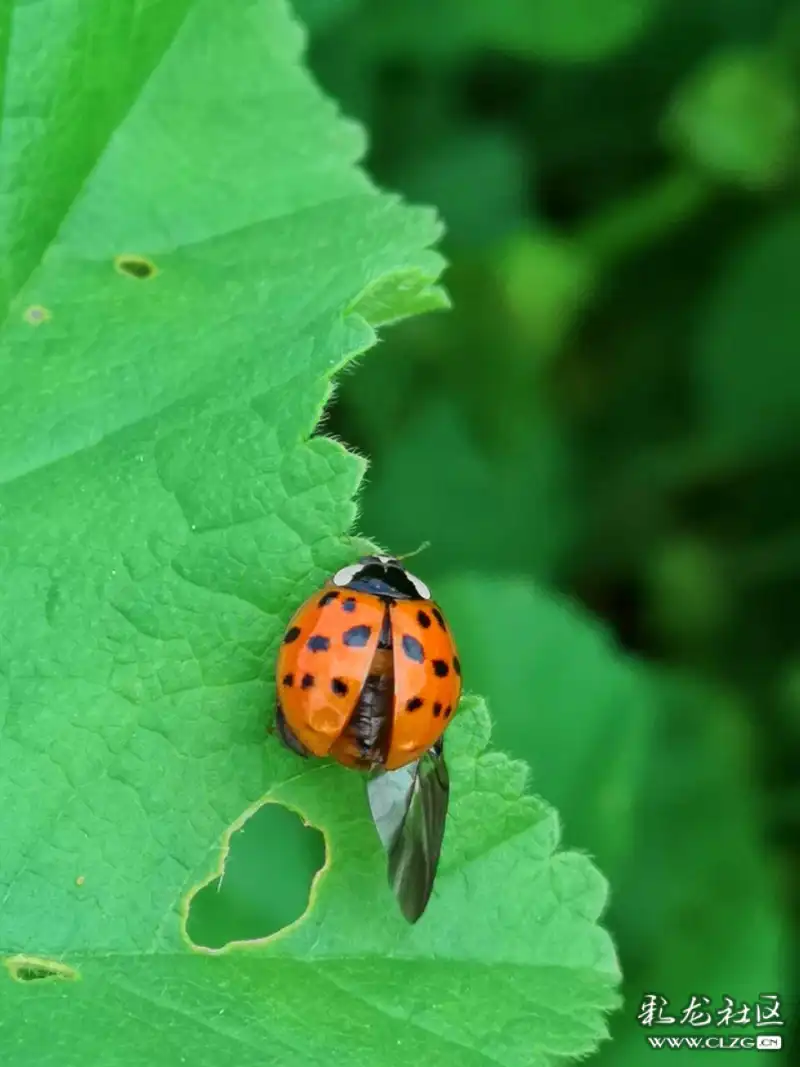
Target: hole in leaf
136,266
266,884
33,969
35,315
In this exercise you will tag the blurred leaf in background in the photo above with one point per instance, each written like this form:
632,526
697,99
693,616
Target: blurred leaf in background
737,118
748,342
608,423
700,911
565,30
587,727
410,499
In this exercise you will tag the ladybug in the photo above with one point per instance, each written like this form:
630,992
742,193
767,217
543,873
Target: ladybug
368,674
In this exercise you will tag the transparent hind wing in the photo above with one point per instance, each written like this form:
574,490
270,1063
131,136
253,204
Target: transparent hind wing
409,809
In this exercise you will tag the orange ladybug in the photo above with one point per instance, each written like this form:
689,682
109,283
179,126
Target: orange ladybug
368,674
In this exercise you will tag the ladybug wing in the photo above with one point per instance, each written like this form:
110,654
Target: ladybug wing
409,808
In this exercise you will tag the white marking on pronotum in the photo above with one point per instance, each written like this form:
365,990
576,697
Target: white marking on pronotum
419,585
347,574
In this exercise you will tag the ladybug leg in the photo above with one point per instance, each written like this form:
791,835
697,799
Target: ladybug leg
285,734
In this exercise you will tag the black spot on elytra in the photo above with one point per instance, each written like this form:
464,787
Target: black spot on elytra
328,597
357,636
349,603
457,665
339,687
413,649
414,703
307,682
440,668
447,711
318,643
439,618
437,709
288,680
291,635
424,619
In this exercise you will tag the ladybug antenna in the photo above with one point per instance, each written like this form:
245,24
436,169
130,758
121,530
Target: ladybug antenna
416,552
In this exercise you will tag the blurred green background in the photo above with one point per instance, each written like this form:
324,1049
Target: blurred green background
609,415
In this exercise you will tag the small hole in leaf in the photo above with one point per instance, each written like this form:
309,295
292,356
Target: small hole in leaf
136,266
266,884
33,969
35,315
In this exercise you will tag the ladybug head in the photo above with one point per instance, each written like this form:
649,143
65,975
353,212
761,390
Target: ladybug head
382,576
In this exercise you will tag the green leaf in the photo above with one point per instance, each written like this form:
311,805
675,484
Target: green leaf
748,342
566,700
397,295
737,117
699,816
566,30
319,15
535,979
410,499
704,740
209,221
477,178
163,508
548,282
690,594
